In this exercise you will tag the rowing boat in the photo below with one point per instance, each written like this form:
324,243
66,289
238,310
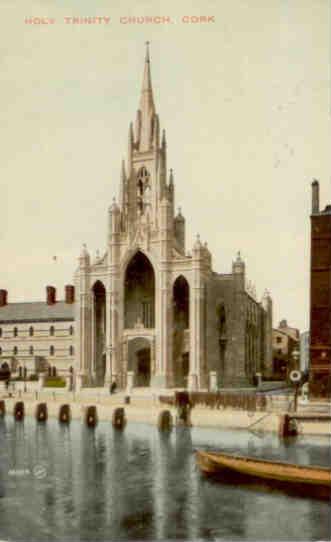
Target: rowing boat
303,476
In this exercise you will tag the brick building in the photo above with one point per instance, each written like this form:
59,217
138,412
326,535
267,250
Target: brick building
38,336
320,297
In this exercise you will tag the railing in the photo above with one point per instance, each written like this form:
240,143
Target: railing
217,400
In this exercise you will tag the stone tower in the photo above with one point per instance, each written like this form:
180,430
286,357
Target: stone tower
146,307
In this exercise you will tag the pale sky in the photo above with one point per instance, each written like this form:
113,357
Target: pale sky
244,101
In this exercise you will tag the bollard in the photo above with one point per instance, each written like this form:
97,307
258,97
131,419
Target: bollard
164,421
91,416
41,412
287,426
119,419
64,414
19,411
2,409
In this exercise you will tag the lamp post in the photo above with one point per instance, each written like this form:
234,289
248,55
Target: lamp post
24,376
295,377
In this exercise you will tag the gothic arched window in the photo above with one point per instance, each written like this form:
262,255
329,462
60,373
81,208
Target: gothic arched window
31,350
51,350
143,178
15,350
31,331
71,350
51,331
15,331
71,330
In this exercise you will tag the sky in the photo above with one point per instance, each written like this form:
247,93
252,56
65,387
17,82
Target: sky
244,99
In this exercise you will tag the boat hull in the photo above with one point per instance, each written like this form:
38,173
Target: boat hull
303,480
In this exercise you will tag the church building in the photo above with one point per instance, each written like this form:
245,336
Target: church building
150,312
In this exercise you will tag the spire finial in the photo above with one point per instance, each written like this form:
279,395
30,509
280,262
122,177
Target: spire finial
147,43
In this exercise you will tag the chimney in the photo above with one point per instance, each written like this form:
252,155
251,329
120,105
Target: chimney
50,295
3,298
69,293
315,197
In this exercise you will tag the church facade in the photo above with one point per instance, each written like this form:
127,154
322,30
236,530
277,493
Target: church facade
147,310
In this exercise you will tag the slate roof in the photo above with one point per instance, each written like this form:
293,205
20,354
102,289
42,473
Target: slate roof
37,312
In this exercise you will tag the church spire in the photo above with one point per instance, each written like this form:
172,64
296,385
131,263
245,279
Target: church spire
146,106
146,97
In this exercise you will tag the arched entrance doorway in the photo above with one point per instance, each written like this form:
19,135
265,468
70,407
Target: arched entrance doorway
139,361
139,287
99,331
181,322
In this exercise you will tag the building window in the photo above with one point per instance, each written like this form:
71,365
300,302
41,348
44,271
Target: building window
0,351
31,331
51,331
31,350
51,350
15,331
280,352
279,340
15,350
0,331
71,330
71,350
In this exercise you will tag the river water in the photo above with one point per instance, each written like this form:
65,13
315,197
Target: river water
73,483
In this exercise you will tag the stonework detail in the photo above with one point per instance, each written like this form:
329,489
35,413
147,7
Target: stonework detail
165,314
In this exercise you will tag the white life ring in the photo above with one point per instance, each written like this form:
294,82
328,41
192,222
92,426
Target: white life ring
295,376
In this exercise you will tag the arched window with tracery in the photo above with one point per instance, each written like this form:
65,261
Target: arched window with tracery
143,189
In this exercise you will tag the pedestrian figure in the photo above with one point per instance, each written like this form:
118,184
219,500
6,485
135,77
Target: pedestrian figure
113,388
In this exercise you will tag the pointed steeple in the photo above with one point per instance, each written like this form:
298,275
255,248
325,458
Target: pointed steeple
146,107
146,97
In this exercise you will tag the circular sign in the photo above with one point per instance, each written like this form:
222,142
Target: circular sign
295,376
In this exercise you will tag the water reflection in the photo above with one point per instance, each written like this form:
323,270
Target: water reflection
141,484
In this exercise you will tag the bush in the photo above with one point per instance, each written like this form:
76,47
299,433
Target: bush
54,382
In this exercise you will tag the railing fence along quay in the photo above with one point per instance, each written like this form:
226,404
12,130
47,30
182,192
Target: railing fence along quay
219,400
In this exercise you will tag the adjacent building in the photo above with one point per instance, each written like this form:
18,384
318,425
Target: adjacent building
285,345
38,336
320,297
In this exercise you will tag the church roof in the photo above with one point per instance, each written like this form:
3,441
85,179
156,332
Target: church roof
37,311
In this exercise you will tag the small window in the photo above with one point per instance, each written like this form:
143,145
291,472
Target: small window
0,351
279,340
51,331
15,331
0,331
280,352
71,350
31,350
31,331
15,350
71,330
51,350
